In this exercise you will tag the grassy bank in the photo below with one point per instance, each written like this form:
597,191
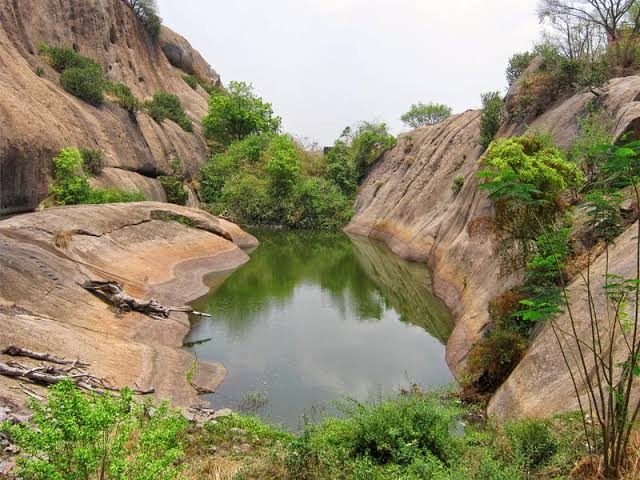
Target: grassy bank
411,435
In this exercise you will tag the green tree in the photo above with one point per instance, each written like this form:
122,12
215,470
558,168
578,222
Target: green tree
282,164
341,168
238,113
147,13
517,65
492,116
421,114
368,143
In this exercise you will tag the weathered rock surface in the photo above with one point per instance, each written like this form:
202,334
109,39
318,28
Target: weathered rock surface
544,366
39,118
46,256
407,202
183,56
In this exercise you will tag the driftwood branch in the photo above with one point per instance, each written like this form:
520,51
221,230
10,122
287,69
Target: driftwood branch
14,351
113,293
47,375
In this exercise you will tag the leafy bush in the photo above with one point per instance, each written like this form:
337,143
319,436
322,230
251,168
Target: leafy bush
426,114
124,97
341,168
544,274
457,184
317,203
164,106
71,185
86,83
399,430
82,437
282,164
81,76
518,63
114,195
585,149
191,80
147,13
63,58
532,442
236,114
525,178
174,188
40,71
92,161
246,199
492,116
368,143
242,155
408,437
493,358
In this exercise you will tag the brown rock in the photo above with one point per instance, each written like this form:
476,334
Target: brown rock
406,201
39,118
43,306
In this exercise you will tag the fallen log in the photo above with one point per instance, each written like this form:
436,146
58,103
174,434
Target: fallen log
113,293
49,375
14,351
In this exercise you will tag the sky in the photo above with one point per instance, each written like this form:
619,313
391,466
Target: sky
326,64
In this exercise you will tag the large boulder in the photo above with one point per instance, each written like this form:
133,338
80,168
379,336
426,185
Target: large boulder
183,56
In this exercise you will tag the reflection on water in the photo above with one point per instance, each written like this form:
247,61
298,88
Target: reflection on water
314,317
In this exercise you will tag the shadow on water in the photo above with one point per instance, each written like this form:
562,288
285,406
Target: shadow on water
317,316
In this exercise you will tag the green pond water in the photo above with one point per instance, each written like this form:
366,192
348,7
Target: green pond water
317,317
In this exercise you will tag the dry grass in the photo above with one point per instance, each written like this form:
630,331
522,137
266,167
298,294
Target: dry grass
212,467
62,239
591,467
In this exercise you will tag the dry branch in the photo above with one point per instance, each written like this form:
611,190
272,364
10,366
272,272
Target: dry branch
114,293
49,375
14,351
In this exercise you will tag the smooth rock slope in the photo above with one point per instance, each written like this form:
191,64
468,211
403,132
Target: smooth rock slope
407,202
39,118
46,256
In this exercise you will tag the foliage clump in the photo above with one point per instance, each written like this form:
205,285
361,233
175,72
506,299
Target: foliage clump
71,184
260,180
421,114
92,161
191,80
518,63
80,76
525,178
532,442
236,114
123,96
457,184
81,437
492,116
147,13
165,106
173,184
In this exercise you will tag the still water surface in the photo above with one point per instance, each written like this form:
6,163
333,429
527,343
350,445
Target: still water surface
315,317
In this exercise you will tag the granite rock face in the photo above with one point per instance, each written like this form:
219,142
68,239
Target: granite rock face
39,118
407,202
148,247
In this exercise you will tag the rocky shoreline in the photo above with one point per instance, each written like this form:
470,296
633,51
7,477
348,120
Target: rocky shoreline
155,250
